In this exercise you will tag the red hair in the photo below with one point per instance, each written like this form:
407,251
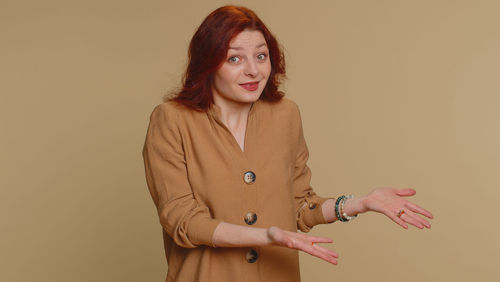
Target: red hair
208,50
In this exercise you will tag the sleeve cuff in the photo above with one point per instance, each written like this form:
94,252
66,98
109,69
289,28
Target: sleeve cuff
312,213
201,229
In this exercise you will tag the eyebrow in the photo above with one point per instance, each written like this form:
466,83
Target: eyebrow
239,48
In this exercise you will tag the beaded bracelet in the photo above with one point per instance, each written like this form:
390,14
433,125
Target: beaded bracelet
337,210
342,211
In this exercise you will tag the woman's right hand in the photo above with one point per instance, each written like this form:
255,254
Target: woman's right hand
302,242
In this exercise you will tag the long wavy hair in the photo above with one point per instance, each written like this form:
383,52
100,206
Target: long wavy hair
208,50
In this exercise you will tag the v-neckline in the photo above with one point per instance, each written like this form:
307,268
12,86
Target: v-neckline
216,112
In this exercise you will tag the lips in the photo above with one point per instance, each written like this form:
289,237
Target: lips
250,86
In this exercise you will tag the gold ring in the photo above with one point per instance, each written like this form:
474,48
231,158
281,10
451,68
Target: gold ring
401,212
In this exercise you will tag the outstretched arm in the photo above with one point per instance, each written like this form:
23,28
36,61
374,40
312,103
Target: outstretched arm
232,235
388,201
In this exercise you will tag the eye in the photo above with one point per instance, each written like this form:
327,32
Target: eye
262,56
234,59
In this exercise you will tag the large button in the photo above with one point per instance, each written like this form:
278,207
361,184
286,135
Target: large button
252,256
249,177
250,218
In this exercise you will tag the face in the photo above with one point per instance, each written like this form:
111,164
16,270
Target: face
244,73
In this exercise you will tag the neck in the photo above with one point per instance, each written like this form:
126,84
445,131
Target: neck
233,115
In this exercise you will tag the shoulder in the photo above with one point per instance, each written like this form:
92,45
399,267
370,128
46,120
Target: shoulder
285,107
285,103
284,111
170,108
283,116
170,111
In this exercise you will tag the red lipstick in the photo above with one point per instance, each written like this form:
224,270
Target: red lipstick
250,86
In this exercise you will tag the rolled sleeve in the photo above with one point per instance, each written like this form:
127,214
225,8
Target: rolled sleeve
187,221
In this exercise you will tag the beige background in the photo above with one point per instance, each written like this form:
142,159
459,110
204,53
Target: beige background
392,93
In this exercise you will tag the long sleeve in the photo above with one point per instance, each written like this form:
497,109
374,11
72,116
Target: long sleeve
186,220
307,203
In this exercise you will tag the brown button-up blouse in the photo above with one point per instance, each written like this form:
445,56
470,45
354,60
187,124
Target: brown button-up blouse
198,176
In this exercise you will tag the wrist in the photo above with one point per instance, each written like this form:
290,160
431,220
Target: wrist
355,206
328,209
275,236
268,236
232,235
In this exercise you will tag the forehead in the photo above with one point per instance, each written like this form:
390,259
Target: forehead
247,39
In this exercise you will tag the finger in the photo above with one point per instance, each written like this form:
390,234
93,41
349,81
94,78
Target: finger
418,209
321,240
409,218
326,251
304,243
405,192
331,260
316,250
315,239
322,253
396,219
418,218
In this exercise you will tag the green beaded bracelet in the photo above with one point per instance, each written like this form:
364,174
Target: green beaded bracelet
337,211
344,214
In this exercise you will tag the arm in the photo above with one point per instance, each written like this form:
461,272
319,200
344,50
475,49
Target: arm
187,221
388,201
311,209
352,207
232,235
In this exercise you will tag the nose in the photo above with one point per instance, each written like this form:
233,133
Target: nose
251,69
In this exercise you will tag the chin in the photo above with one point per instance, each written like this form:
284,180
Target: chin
250,98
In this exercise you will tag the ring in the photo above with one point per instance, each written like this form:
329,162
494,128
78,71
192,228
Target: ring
401,212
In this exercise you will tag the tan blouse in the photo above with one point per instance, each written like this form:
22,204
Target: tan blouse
198,176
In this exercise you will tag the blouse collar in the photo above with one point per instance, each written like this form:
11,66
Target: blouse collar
215,111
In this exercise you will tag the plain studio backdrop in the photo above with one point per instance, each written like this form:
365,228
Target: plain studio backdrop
392,93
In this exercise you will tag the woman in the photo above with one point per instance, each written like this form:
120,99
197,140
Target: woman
226,165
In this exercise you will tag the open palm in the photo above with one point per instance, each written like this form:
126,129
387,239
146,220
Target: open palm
302,242
391,201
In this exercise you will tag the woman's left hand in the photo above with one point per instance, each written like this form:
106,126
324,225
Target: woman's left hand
391,202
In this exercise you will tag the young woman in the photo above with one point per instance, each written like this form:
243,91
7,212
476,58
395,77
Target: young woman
225,164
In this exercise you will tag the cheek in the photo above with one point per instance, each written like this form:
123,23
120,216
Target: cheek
266,71
217,82
222,79
228,75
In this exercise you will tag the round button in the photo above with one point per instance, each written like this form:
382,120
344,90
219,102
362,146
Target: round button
250,218
249,177
312,206
252,256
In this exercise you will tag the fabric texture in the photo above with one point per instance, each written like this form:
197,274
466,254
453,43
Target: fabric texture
194,172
